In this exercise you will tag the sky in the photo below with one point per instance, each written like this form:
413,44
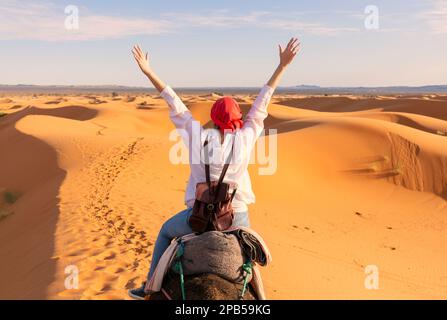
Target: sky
229,43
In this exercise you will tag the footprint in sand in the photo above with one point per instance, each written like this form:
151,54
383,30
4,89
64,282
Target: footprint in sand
110,227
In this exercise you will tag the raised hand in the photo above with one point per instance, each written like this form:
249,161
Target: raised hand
287,55
143,62
142,59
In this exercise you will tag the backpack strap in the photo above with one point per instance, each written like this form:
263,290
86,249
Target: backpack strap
224,170
233,194
207,163
227,164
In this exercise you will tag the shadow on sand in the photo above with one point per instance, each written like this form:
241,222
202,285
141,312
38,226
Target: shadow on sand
30,167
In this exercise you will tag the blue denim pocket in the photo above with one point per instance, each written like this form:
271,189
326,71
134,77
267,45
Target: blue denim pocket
241,219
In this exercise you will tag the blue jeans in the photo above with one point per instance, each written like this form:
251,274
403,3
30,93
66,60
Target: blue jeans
178,226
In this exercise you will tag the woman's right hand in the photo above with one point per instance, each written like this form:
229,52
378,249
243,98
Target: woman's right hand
142,59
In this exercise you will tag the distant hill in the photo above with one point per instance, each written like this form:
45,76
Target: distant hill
60,89
303,89
373,90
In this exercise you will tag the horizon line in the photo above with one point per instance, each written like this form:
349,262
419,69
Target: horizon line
309,86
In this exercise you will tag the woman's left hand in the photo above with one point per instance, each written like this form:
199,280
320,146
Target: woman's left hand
142,59
287,55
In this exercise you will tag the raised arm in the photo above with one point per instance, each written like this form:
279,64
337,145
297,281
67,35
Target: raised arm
179,114
143,63
286,56
258,111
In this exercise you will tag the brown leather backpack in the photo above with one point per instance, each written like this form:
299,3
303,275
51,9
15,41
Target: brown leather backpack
212,208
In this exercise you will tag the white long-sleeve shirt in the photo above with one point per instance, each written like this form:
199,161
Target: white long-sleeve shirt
244,140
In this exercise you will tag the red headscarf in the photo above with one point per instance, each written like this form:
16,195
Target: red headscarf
227,114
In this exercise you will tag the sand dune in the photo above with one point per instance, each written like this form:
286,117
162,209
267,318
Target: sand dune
86,182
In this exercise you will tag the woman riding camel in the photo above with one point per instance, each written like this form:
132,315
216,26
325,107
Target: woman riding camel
237,135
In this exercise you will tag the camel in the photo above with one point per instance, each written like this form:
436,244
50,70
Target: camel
205,286
211,264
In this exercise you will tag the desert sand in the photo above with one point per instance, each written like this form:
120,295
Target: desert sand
86,181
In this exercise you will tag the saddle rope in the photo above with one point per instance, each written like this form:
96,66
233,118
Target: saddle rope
247,267
179,269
